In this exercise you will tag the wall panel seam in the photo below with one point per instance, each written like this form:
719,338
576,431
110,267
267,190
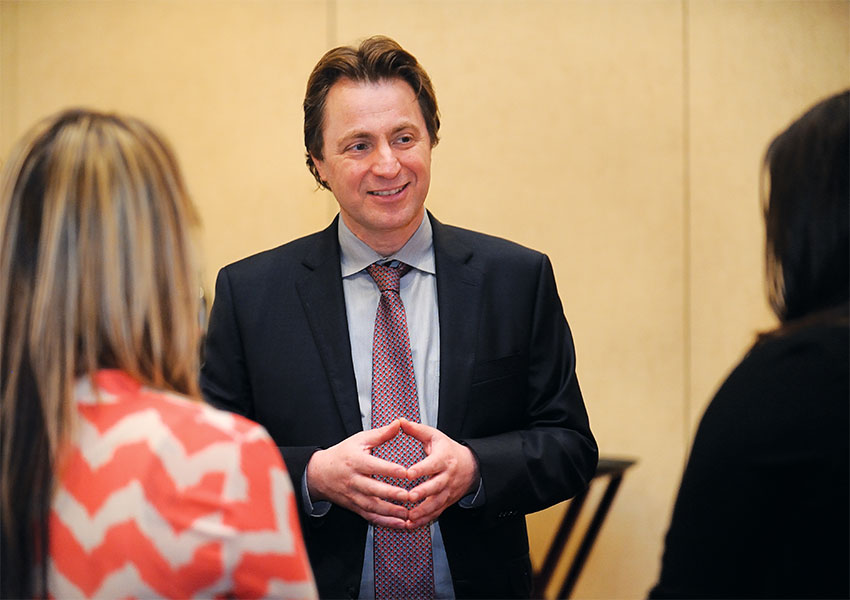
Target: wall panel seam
687,285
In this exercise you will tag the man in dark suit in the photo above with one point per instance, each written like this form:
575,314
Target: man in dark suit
500,418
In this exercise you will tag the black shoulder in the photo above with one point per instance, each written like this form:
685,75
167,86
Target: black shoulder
485,250
796,385
299,253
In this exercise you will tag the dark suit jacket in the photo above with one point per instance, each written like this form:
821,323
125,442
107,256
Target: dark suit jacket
277,351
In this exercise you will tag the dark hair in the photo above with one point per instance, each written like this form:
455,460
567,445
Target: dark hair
806,212
376,59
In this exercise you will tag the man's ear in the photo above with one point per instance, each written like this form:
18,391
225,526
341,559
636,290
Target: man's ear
320,166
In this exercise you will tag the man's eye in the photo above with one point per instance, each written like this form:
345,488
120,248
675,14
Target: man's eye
405,139
359,147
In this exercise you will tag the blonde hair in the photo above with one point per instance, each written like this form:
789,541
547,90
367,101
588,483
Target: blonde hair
96,271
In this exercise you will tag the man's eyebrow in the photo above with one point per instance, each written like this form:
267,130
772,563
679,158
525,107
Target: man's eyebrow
354,134
405,125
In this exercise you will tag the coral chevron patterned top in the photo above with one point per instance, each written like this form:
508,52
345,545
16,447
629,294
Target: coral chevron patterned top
158,496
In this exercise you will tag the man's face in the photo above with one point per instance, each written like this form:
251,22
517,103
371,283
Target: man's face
377,160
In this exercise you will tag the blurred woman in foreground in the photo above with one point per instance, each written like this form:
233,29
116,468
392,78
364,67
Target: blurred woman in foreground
765,498
115,481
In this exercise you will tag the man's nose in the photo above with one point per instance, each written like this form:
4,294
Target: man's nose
386,162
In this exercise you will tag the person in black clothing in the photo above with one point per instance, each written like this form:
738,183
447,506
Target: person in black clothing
763,506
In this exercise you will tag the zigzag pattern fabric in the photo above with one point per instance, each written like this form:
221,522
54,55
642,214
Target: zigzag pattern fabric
162,497
403,559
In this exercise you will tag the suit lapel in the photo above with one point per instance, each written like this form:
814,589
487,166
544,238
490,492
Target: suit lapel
320,290
458,301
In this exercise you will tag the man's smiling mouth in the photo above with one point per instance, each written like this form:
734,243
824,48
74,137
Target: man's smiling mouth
389,192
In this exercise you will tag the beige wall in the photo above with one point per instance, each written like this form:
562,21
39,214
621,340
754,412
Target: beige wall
622,137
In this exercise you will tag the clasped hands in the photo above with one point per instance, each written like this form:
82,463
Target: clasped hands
344,475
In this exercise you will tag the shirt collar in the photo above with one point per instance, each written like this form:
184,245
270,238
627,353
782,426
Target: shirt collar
356,255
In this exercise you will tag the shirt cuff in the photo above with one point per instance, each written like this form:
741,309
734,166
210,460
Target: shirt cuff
474,500
320,508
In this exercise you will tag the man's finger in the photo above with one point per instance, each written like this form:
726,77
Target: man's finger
376,488
429,466
372,465
380,507
421,432
375,437
426,489
384,521
427,512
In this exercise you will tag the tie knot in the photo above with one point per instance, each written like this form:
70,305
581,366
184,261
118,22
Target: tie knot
387,276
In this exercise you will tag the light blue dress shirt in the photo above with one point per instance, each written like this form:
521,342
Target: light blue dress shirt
418,290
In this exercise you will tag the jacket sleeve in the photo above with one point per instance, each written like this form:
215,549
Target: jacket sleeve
225,381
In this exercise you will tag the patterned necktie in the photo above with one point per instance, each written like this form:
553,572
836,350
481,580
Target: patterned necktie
403,561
